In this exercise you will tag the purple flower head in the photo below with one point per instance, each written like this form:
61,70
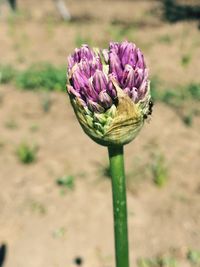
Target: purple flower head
109,91
94,74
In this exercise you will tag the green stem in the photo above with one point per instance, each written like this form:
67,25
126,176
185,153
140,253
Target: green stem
119,205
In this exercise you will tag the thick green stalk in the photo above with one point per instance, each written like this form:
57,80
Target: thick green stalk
119,205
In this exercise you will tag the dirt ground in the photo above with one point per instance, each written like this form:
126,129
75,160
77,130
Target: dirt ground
44,226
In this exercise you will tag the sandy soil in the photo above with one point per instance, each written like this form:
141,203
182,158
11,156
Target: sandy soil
40,225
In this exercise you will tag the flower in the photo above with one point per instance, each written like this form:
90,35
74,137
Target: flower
109,91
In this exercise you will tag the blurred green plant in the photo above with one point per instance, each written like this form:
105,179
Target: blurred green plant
174,11
194,90
159,170
178,98
11,124
38,207
26,153
165,38
42,76
144,262
155,88
194,257
185,60
34,128
157,262
7,74
120,32
66,181
174,96
188,119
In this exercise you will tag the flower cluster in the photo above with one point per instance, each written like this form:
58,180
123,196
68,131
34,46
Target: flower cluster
127,64
109,87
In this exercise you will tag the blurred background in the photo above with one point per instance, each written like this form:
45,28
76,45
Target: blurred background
55,201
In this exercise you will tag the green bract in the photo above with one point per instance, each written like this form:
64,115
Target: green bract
119,125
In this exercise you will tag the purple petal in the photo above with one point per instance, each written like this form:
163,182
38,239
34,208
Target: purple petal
105,99
99,81
114,47
95,64
89,92
115,65
79,80
111,88
143,88
86,52
72,91
140,62
85,68
139,76
71,62
128,54
82,53
128,77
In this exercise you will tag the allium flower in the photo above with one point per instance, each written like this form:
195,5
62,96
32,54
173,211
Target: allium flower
109,91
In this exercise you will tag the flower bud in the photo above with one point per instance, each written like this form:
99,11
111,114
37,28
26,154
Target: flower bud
128,77
115,65
109,91
105,99
99,81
